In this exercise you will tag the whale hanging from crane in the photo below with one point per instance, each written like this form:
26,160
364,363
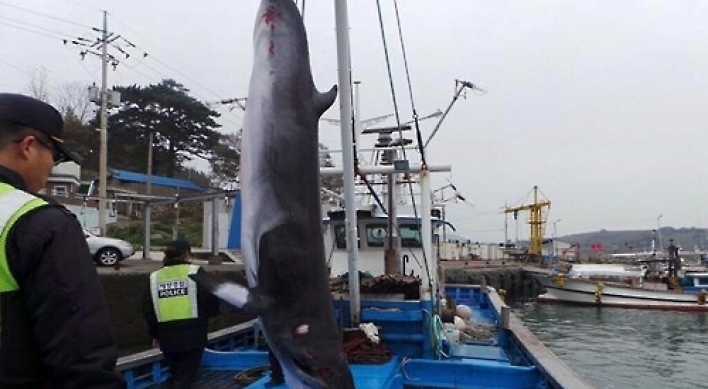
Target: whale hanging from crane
282,242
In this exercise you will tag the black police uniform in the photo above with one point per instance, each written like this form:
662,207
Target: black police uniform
55,331
182,342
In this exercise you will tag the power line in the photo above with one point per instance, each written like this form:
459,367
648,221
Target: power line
166,64
44,15
90,47
19,69
31,31
58,33
85,5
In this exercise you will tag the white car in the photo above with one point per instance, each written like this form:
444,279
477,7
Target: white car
108,251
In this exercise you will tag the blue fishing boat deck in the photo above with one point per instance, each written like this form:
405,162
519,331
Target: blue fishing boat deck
414,373
421,355
485,352
365,376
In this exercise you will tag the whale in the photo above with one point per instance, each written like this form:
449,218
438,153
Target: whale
281,229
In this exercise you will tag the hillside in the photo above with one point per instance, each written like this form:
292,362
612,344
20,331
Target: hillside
639,240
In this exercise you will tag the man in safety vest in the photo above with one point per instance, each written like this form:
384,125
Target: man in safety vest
55,330
177,313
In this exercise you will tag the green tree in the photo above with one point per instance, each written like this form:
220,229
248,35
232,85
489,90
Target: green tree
183,129
72,101
83,139
332,183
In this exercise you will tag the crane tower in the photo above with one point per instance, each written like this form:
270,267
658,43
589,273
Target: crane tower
537,221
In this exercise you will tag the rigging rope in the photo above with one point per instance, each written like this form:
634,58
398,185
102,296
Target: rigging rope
390,75
419,136
302,11
398,119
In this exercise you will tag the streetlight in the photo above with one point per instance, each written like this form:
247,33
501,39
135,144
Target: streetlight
658,231
175,229
555,246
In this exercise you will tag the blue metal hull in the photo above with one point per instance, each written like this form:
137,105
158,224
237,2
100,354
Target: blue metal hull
422,358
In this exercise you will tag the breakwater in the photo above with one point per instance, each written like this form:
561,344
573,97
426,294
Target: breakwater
509,277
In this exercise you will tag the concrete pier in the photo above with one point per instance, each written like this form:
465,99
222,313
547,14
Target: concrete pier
509,276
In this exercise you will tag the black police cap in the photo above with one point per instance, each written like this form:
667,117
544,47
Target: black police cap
178,247
36,114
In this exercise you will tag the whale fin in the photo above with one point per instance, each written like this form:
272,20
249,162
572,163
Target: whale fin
325,100
232,293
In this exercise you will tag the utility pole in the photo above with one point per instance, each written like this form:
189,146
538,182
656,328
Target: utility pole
151,138
506,228
105,99
658,231
103,157
555,236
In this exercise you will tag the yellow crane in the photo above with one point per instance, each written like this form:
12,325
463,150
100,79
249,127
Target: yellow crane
537,221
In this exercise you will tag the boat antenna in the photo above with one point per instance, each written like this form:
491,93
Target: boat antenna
460,87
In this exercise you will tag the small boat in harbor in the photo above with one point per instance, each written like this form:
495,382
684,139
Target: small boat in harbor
626,286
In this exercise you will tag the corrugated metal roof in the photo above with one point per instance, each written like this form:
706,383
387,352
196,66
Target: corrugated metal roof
128,176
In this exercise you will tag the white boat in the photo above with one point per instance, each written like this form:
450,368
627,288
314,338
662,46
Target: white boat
625,286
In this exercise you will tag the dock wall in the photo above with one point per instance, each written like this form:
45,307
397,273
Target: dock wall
512,279
124,294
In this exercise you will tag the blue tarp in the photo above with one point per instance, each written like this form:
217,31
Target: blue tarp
234,239
128,176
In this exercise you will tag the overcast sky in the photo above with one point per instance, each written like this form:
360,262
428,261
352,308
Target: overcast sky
602,104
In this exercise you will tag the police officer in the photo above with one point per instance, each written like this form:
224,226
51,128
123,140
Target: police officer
54,324
674,259
177,312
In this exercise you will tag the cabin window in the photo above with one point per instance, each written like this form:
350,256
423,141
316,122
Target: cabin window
702,281
376,235
340,237
410,236
60,191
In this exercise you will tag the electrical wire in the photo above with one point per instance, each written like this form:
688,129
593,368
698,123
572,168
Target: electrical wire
62,35
146,56
19,69
44,15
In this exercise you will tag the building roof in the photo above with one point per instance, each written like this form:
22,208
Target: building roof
128,176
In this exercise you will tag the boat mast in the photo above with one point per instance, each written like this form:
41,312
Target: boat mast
345,117
426,231
392,257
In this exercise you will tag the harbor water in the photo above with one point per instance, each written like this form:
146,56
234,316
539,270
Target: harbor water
615,348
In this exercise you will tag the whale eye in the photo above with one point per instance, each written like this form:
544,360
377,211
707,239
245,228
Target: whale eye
301,330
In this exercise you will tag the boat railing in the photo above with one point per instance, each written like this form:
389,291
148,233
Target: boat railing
145,369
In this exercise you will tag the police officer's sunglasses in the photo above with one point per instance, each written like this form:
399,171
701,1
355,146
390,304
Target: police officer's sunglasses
57,155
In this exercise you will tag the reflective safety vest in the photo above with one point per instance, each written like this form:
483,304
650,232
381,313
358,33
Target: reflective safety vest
174,294
13,204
